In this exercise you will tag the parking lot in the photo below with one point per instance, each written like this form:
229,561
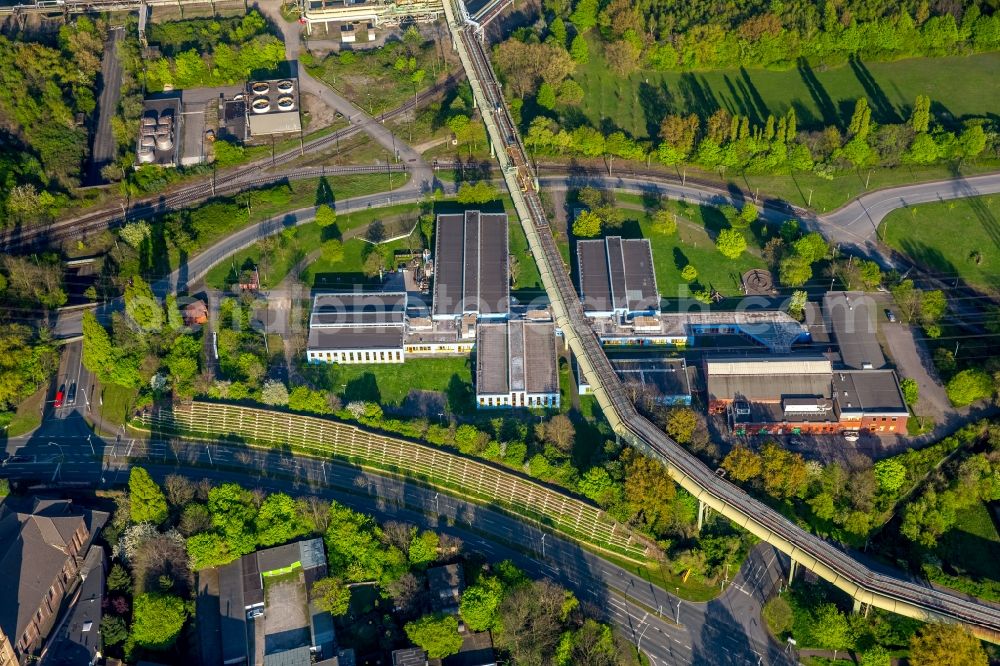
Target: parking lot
286,622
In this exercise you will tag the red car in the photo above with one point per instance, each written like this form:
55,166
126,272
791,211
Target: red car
59,399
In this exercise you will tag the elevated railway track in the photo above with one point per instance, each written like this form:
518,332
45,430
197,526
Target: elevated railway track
827,560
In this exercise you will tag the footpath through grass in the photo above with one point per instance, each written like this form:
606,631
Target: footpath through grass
958,85
958,238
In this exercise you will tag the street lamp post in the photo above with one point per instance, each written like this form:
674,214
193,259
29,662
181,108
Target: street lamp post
677,619
543,544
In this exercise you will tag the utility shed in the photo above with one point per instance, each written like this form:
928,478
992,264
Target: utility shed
852,317
516,364
472,275
616,277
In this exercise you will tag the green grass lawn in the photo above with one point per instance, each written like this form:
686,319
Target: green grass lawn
694,243
28,415
945,236
117,402
389,384
823,195
959,86
303,193
973,544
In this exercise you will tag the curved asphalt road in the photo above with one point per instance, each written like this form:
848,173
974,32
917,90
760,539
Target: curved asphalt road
726,630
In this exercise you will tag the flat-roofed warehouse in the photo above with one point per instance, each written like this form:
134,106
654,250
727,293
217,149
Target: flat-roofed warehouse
766,378
616,277
516,364
354,327
472,274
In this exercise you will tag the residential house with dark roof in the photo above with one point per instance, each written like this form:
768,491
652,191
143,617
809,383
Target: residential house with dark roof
43,544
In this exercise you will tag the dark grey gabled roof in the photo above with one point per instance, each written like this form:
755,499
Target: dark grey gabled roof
617,274
472,272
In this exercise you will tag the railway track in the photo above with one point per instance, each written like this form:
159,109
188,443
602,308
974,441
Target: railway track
827,559
252,175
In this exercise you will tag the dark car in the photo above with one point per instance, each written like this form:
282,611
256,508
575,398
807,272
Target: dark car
71,395
890,316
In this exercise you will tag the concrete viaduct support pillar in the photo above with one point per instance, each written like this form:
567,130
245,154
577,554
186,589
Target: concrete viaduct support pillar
791,572
701,514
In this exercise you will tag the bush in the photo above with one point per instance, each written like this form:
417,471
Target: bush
778,615
157,620
969,386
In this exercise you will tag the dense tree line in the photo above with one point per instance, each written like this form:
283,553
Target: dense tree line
813,615
848,499
212,52
965,481
541,71
702,34
43,86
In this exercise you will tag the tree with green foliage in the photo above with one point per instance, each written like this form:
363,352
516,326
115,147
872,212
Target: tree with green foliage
119,579
480,604
920,117
969,386
325,216
135,233
305,399
778,615
890,474
860,119
579,50
113,630
142,306
597,484
25,363
423,548
812,247
649,491
743,464
689,273
939,643
546,96
748,215
876,655
794,271
587,225
784,473
480,192
664,222
332,251
592,644
331,595
355,549
157,620
435,634
830,629
147,501
279,520
910,389
584,16
731,243
557,29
